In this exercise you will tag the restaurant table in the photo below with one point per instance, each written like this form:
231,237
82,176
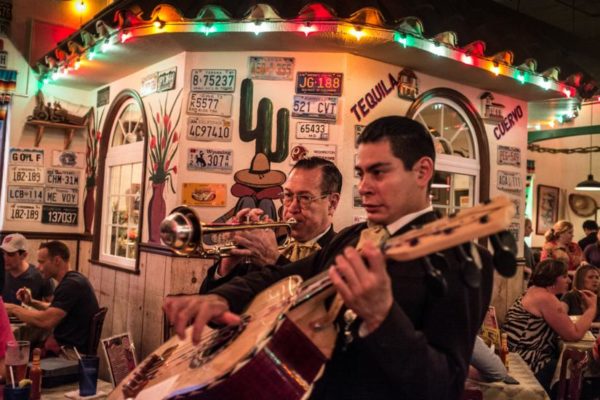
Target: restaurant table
58,393
528,388
585,344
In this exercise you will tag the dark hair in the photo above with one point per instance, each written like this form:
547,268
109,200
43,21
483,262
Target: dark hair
331,181
409,140
590,225
546,272
56,248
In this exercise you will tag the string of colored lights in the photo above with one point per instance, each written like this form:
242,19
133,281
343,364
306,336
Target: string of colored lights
358,32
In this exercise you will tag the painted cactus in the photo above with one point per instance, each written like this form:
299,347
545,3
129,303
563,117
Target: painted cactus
264,124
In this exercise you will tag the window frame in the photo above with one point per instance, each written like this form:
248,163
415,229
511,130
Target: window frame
117,106
456,164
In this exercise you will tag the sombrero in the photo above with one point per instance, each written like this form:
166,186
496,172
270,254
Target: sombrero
259,174
582,205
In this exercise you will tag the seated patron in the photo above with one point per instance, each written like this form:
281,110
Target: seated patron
560,246
20,274
71,311
537,319
310,196
591,253
587,277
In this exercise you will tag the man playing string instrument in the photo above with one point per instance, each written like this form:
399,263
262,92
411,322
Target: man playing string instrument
410,339
310,197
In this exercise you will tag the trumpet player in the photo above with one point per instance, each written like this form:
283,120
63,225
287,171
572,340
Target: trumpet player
310,197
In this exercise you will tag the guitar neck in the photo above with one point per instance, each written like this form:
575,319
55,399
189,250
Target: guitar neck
453,230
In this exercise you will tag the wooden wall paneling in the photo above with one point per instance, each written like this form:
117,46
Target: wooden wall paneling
107,298
120,306
156,266
187,274
499,296
135,305
95,277
85,253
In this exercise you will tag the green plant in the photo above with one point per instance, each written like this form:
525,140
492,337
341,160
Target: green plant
164,142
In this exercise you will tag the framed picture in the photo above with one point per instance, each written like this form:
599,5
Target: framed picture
547,208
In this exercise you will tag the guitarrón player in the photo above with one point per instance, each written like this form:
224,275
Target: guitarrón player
411,339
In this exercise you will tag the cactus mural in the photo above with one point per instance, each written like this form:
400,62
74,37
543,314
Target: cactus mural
264,124
259,185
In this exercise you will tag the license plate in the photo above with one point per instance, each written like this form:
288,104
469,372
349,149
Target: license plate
25,175
25,194
509,156
213,80
510,181
67,196
210,129
210,160
24,212
68,158
312,130
271,68
62,177
210,104
27,157
319,108
323,83
59,215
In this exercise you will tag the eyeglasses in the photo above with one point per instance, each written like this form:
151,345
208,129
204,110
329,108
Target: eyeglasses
305,200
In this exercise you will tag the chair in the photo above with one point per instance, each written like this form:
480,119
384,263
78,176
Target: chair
575,361
472,394
96,331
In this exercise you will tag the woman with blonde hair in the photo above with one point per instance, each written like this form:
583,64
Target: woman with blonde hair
587,277
560,246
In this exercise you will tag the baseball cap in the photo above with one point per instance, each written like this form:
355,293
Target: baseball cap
13,243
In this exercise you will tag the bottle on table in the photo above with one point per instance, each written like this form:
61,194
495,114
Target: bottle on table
504,349
35,375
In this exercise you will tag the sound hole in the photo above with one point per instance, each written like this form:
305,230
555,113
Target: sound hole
208,349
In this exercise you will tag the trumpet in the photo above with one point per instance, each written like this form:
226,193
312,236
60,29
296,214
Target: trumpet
184,233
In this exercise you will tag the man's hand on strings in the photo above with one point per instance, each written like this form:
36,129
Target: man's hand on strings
363,283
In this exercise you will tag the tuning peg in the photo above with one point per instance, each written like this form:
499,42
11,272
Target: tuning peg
471,270
505,260
434,279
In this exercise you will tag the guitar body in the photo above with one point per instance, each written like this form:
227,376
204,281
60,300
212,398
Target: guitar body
276,355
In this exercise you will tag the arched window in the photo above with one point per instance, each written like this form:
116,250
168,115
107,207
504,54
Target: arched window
462,160
122,182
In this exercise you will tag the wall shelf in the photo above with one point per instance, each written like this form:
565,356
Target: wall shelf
69,130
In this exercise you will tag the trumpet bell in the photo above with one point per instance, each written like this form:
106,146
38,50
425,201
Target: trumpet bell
183,232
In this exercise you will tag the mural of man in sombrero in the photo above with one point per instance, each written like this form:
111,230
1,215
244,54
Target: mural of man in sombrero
258,186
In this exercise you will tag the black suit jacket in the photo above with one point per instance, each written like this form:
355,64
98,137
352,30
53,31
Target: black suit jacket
420,351
242,269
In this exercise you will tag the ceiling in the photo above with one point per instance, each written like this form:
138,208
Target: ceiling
579,19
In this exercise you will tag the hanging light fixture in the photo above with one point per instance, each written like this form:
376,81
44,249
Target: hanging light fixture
590,184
